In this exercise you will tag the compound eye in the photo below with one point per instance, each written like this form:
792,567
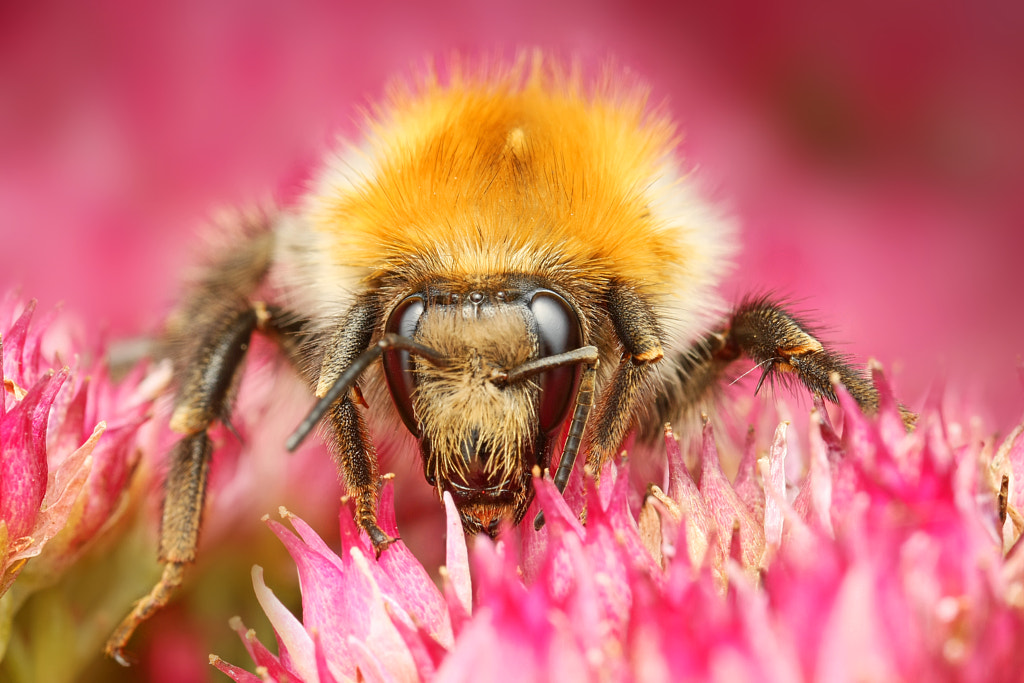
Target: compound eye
558,331
398,365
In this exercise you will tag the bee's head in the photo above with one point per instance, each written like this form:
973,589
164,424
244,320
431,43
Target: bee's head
482,429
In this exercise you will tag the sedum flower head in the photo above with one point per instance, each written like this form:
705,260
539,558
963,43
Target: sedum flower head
67,452
892,556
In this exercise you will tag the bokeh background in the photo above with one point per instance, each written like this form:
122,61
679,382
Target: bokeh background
873,152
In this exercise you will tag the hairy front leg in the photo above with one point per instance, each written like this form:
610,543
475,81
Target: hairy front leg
358,463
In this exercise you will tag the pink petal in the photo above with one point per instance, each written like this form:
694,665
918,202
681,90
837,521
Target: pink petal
773,473
770,651
551,565
890,423
260,655
520,620
23,465
457,559
589,610
814,501
698,522
533,545
404,579
368,667
289,630
726,507
746,483
623,525
679,479
322,668
426,652
335,602
351,535
557,514
853,647
381,635
233,672
62,496
312,539
472,659
72,429
14,366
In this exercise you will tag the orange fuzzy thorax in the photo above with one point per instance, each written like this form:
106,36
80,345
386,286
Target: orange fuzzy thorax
522,171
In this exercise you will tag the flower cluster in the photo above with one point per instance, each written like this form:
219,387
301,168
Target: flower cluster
895,556
861,552
64,470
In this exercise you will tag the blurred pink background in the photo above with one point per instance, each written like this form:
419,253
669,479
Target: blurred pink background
874,154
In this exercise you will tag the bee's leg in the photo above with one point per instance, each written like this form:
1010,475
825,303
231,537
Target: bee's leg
638,331
782,345
355,456
358,462
186,486
203,398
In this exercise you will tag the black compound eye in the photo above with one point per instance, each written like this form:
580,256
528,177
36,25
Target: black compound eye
398,367
558,331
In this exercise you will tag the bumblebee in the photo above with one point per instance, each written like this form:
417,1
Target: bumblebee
519,259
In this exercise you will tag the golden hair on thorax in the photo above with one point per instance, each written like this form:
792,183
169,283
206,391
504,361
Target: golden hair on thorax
561,176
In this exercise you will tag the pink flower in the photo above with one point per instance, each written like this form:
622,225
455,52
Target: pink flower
885,563
359,612
64,471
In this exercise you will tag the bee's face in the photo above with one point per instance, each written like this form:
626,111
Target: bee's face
481,436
